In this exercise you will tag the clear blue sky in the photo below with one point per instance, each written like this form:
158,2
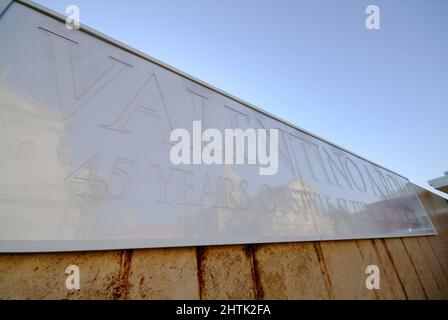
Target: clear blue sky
382,94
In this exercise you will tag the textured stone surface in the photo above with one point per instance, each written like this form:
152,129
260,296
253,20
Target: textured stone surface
225,273
163,274
346,270
292,271
391,285
411,268
42,276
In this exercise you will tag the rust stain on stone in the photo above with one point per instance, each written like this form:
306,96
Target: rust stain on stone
363,258
122,286
323,268
430,269
360,251
437,258
395,268
200,257
250,252
385,274
415,269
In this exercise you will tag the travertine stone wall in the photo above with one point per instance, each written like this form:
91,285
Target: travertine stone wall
411,268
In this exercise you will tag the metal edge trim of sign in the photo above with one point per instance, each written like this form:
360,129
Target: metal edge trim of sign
29,246
4,5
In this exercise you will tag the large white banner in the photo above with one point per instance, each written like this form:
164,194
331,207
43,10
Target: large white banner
101,148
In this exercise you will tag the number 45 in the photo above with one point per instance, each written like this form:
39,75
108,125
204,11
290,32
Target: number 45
89,185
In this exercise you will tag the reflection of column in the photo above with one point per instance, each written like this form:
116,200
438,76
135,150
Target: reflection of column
296,209
285,211
229,189
35,203
228,214
306,215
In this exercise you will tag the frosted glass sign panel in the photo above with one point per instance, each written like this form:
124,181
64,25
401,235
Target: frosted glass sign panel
86,130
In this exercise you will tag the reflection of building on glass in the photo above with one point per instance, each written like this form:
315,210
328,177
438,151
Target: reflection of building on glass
297,210
36,204
228,207
289,210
